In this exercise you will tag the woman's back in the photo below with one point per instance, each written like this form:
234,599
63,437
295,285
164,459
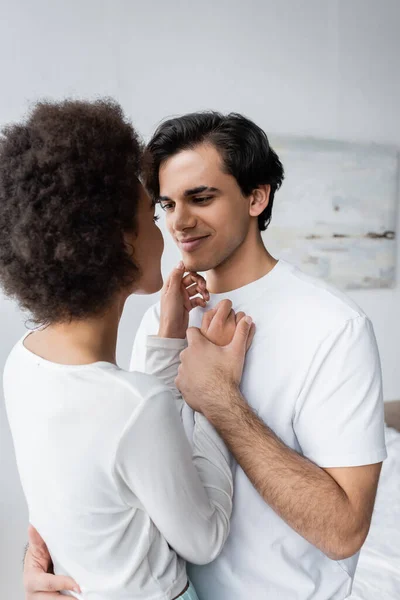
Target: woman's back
106,468
110,478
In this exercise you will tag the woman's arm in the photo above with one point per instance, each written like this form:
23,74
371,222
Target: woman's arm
187,496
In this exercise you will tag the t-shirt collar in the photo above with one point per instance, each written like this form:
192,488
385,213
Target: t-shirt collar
251,289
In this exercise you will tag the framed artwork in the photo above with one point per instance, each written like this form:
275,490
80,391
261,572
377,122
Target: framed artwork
335,214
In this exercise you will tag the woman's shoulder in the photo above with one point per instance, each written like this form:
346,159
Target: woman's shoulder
143,386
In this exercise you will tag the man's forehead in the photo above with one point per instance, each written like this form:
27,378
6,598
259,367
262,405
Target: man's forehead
188,170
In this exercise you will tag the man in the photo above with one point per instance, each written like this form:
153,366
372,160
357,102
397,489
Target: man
306,427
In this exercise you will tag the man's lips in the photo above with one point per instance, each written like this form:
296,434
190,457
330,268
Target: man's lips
191,244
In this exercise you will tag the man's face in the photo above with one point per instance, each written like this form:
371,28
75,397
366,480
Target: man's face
206,212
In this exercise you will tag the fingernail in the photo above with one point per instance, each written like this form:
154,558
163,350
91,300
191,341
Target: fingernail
180,265
248,320
77,590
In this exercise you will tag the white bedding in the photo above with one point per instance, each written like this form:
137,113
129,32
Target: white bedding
378,572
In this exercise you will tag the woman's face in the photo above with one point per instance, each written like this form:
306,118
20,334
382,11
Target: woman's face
148,247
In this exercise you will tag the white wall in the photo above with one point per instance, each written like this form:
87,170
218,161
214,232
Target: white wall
327,69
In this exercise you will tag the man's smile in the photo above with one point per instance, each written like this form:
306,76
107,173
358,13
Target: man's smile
191,244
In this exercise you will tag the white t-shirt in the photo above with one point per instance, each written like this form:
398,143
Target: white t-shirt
313,375
110,479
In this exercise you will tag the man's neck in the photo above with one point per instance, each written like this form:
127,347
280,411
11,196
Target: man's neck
249,262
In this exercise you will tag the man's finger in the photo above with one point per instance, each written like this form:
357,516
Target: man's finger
45,596
37,549
55,583
35,539
193,335
48,583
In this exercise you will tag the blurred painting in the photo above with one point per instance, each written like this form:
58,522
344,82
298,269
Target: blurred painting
335,215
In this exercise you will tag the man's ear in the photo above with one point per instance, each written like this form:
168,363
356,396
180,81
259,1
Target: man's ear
259,199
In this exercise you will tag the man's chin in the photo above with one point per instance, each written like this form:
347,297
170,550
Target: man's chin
196,264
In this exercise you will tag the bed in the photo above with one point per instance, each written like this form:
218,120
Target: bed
378,572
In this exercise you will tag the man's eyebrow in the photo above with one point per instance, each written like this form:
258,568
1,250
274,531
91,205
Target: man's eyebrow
192,192
199,190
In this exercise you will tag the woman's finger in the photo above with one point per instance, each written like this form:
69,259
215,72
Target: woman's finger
175,278
198,301
251,336
193,277
186,299
207,318
223,311
239,316
195,289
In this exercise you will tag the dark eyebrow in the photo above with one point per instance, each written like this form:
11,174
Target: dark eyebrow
199,190
192,192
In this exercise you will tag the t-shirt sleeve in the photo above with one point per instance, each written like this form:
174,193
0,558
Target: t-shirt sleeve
187,496
148,326
162,359
338,418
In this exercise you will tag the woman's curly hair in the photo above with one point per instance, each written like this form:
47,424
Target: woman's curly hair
68,191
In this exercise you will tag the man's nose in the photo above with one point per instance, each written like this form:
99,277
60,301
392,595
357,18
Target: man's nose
183,218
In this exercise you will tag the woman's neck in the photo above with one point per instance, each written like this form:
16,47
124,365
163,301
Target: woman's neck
79,342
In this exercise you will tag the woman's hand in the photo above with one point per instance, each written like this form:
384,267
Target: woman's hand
178,296
219,324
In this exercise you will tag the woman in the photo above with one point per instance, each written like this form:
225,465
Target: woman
107,471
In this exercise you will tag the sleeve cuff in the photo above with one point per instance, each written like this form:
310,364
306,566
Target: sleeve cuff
153,341
349,460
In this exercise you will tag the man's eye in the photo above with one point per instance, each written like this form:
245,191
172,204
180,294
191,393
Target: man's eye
167,206
201,199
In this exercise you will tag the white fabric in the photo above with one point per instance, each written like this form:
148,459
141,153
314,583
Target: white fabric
313,375
378,570
109,477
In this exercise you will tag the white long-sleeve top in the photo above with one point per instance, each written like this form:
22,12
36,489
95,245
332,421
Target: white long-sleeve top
109,476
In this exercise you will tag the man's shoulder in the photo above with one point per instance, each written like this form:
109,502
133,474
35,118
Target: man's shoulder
148,326
151,319
317,300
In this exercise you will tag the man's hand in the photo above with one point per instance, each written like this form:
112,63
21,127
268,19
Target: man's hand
208,371
38,583
179,295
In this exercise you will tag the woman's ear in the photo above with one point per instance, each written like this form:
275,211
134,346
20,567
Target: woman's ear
259,199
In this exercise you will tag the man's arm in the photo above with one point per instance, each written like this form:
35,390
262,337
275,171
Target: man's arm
331,508
337,422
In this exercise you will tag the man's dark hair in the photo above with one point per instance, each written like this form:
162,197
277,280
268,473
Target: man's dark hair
68,191
243,146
